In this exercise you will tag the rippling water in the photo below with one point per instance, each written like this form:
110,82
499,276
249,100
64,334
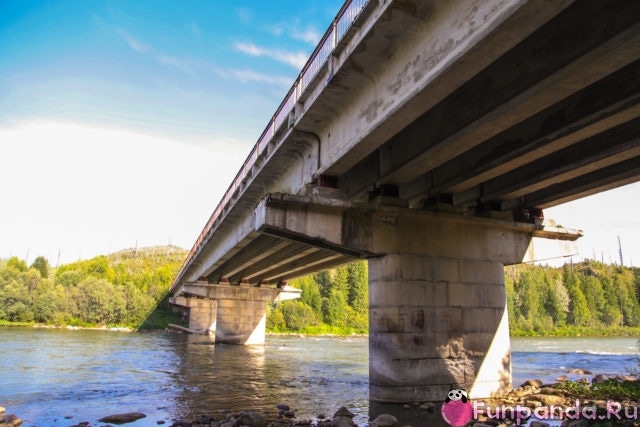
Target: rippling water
85,375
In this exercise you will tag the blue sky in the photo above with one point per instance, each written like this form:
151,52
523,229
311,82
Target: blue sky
123,122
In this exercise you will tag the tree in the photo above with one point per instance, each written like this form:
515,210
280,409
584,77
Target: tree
359,287
42,266
296,314
17,263
310,294
579,313
336,313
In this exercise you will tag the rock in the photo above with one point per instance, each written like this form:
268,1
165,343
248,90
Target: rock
283,407
550,390
384,420
626,378
599,379
576,423
249,419
344,412
562,378
580,371
342,422
122,418
533,404
342,418
9,420
538,424
2,409
533,383
428,406
289,414
550,399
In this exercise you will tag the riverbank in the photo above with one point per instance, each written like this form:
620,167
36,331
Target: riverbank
578,331
69,327
596,401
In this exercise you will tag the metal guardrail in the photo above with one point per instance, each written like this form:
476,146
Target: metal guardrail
334,34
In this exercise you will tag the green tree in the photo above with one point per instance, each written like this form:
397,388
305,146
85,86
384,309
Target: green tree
336,313
310,293
296,314
579,313
42,266
17,263
359,287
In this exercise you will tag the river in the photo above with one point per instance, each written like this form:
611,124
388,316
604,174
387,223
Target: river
55,377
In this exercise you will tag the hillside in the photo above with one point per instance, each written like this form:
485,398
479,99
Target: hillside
119,289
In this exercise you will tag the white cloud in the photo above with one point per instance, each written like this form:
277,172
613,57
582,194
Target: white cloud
294,59
252,76
245,15
131,41
293,30
84,191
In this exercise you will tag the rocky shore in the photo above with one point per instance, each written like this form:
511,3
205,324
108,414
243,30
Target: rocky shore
598,401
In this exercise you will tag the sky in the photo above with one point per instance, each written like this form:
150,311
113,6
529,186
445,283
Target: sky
123,122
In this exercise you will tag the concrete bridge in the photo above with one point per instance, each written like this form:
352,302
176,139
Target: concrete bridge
426,137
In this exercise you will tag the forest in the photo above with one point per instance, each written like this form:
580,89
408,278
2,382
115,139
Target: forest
129,288
124,289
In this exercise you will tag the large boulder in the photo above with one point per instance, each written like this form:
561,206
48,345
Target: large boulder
342,418
249,419
384,420
9,420
122,418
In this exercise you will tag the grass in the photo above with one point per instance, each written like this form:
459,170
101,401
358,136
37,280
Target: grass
609,389
579,331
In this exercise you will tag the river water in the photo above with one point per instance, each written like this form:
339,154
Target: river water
53,377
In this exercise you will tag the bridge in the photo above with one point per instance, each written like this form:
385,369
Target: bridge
426,137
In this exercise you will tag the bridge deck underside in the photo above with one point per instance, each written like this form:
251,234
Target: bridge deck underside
552,119
272,259
423,103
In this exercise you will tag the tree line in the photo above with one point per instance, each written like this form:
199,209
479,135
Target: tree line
332,301
129,287
589,296
121,289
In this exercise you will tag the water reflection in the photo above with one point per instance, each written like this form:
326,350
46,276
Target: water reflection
299,373
409,415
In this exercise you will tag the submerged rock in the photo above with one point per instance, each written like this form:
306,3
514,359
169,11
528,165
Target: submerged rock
384,420
342,418
9,420
122,418
249,419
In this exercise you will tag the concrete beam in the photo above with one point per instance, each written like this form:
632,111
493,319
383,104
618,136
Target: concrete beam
358,229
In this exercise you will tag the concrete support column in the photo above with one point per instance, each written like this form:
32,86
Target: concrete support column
437,309
240,310
241,321
202,314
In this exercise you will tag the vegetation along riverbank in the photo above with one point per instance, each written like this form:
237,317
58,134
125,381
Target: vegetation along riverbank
128,289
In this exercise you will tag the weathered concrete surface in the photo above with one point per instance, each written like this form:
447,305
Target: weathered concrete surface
237,314
469,109
202,313
437,301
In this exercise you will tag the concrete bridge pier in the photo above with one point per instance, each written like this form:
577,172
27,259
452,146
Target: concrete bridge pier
241,321
437,307
202,312
236,312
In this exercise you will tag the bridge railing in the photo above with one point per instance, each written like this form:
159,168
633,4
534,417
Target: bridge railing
334,34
